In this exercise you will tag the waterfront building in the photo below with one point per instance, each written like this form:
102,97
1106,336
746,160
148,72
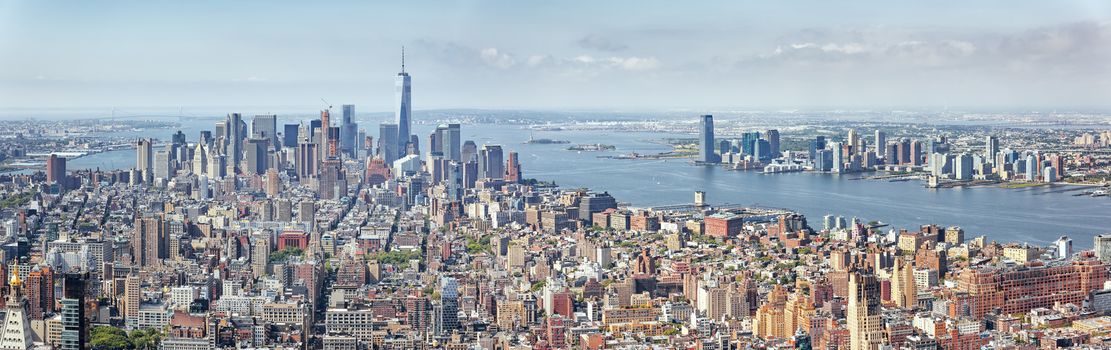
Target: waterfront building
1102,247
1063,247
881,144
991,148
772,136
706,139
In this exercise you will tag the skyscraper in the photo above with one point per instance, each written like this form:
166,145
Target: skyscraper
56,170
307,161
863,318
706,139
493,162
403,113
513,168
772,135
163,169
449,299
266,126
903,290
963,168
257,155
881,144
148,241
132,298
469,152
75,335
450,142
290,135
991,147
234,140
1031,167
388,142
348,130
144,158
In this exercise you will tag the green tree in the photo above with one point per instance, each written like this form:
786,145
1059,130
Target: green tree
109,338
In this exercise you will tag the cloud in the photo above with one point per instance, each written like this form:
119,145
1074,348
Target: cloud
497,58
635,63
596,42
631,63
1074,47
1081,40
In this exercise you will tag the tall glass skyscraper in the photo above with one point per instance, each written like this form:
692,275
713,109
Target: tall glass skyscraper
403,89
706,139
348,130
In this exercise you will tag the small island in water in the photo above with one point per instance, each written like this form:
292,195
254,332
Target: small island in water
592,147
543,141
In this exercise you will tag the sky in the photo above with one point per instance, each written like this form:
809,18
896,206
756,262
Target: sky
616,55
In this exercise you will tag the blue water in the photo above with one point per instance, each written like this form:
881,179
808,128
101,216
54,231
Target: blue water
1036,215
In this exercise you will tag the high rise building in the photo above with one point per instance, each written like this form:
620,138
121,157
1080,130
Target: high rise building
257,156
266,127
132,299
388,143
706,139
260,254
75,332
1102,246
144,158
56,170
291,135
863,317
963,167
748,143
513,168
449,300
148,242
915,152
494,164
1031,167
307,161
403,113
991,148
40,293
234,139
772,135
903,290
200,159
469,152
163,166
881,144
348,130
1063,247
451,144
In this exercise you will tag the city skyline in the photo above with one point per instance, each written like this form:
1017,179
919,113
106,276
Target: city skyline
477,54
379,226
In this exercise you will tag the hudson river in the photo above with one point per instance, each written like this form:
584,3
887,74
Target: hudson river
1035,215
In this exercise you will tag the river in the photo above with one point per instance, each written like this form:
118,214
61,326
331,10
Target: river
1036,215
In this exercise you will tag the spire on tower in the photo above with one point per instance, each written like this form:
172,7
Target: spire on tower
403,58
